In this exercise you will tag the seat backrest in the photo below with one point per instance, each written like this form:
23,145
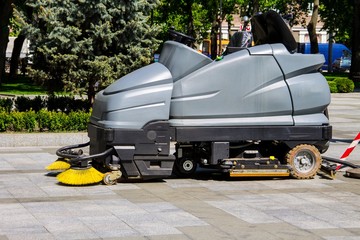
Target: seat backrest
239,41
271,28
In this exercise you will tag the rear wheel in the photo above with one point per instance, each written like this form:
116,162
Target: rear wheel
185,167
305,161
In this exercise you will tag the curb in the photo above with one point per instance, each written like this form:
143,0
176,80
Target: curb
42,139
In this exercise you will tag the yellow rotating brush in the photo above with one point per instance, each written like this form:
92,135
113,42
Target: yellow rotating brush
60,164
80,176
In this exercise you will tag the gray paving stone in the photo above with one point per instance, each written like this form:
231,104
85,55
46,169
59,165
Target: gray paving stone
343,238
108,226
300,219
244,211
37,207
167,237
41,139
211,232
32,236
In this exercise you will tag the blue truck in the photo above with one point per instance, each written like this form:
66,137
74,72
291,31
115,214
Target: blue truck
341,55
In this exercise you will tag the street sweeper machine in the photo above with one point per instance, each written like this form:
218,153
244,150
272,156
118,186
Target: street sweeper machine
256,111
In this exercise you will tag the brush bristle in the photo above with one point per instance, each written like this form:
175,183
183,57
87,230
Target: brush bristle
59,165
80,176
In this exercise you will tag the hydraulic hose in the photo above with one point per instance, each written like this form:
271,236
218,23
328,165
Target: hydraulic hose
346,163
67,152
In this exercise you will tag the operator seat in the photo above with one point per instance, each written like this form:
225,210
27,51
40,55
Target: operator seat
270,28
239,41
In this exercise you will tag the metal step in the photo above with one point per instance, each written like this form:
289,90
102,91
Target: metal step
259,173
255,167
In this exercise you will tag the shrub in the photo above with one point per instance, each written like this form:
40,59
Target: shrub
329,78
7,104
29,119
66,104
43,119
333,87
79,105
58,121
5,120
78,121
24,104
55,103
37,103
17,123
344,85
52,103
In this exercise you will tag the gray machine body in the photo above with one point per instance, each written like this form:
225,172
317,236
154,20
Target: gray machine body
263,85
265,95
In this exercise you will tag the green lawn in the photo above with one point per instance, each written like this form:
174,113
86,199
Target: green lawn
331,76
22,86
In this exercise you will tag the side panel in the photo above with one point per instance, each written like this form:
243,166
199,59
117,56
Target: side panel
154,139
142,153
134,100
241,89
309,89
264,133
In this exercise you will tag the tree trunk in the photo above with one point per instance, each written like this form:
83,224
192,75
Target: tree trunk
5,13
190,23
256,7
91,92
229,22
311,27
213,36
355,61
14,64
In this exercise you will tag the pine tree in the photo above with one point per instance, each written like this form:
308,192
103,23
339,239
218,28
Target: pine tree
80,44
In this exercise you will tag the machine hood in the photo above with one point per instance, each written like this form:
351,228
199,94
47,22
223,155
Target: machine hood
153,74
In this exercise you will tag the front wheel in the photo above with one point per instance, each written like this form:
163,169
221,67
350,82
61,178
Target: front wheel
185,167
305,161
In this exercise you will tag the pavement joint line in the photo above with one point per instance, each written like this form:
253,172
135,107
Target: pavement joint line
18,171
36,206
54,199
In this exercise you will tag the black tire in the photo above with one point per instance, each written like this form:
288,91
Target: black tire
185,167
305,161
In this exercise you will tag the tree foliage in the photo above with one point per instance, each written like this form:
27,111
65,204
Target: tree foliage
185,16
79,45
338,17
342,19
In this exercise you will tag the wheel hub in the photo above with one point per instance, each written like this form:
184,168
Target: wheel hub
188,165
304,162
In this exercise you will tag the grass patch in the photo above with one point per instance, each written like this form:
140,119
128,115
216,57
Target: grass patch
333,75
21,86
340,82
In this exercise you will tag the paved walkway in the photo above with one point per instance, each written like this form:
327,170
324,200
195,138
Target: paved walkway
34,206
41,139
